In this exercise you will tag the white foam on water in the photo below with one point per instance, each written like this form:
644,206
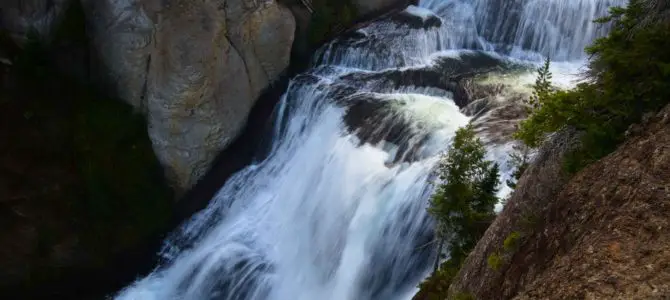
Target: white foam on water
329,216
425,14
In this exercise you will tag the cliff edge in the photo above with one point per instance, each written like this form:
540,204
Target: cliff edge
600,235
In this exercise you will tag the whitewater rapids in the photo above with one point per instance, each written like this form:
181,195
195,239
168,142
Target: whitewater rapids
337,210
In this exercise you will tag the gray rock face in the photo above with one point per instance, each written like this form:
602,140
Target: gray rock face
18,17
122,35
194,68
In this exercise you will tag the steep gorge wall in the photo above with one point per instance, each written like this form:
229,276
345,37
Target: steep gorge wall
600,235
195,68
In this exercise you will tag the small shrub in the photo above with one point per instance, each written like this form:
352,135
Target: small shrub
512,241
495,261
436,286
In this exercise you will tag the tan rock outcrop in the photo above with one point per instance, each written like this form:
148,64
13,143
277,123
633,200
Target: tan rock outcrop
194,68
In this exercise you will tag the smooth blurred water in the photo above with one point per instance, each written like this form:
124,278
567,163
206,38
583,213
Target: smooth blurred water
560,29
337,210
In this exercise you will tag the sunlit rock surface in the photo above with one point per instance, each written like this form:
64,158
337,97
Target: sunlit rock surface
194,68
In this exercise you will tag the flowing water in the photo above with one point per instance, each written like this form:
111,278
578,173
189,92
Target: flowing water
337,209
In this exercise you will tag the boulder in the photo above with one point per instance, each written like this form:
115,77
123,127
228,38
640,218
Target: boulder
194,68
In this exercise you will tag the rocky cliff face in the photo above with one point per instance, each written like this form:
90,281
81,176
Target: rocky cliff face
19,17
80,187
83,202
195,69
600,235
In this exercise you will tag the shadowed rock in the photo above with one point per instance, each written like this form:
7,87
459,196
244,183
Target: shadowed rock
20,17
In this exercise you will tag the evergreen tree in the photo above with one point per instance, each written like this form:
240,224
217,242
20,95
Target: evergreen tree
520,159
627,78
542,87
463,205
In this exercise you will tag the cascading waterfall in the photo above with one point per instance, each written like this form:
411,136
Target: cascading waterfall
337,209
559,29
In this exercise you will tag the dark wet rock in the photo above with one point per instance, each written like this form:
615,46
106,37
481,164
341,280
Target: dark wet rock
375,118
368,117
445,74
367,7
396,79
413,21
496,107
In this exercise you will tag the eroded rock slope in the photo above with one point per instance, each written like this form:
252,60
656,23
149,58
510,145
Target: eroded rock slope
601,235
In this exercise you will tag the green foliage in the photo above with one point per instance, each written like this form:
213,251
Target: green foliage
436,286
495,261
462,206
329,17
542,87
533,136
511,241
630,70
520,160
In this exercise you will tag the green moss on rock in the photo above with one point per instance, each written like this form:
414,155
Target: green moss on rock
511,241
495,261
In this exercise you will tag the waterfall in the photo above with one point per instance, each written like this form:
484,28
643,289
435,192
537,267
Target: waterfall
337,210
560,29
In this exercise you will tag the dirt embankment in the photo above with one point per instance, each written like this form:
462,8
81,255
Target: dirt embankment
603,234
